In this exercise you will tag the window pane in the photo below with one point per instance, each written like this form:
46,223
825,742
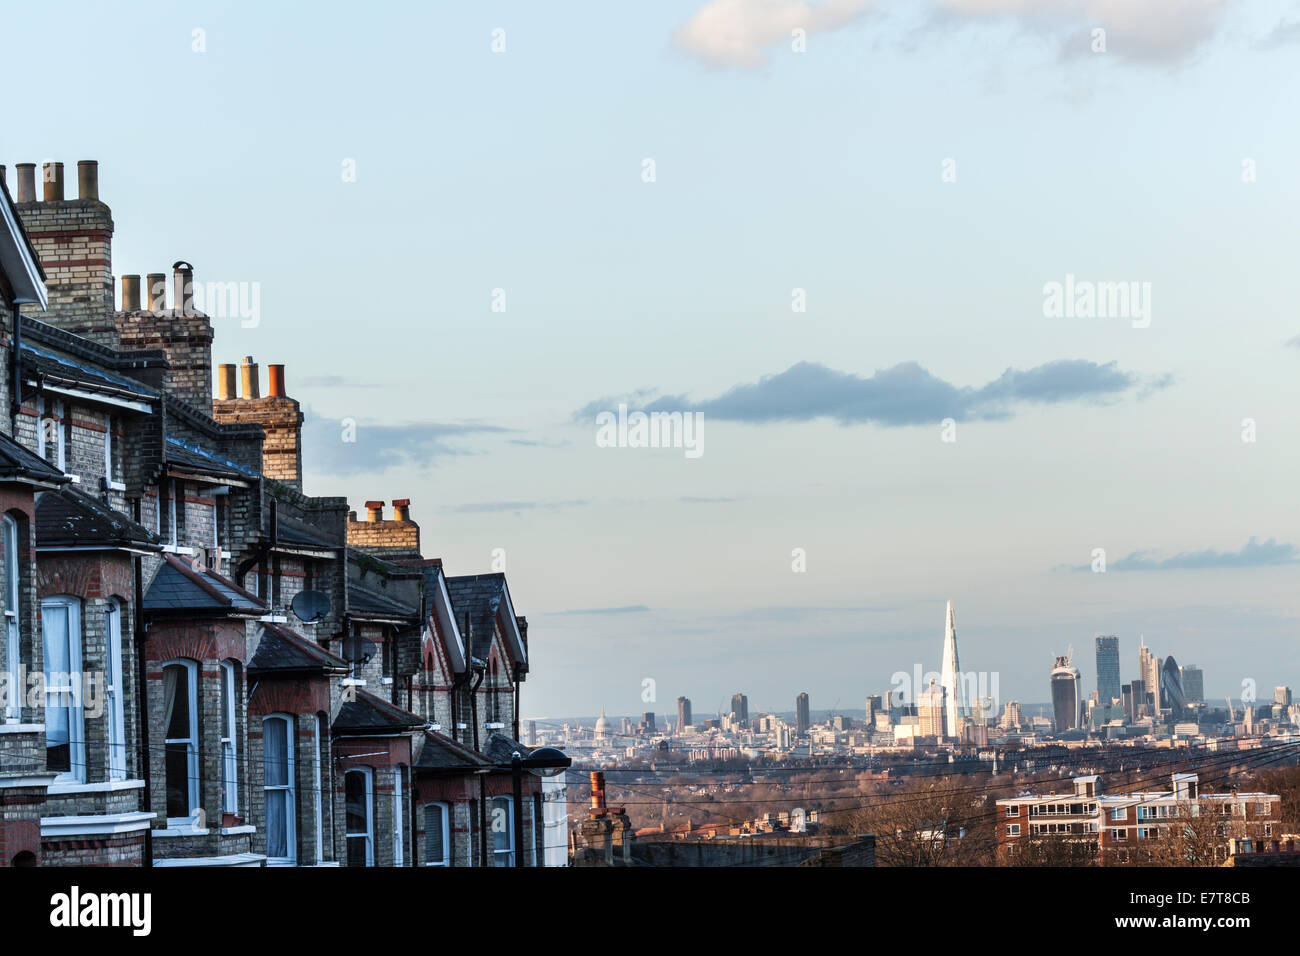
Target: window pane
277,820
176,701
226,680
356,851
275,733
355,791
58,662
178,784
435,850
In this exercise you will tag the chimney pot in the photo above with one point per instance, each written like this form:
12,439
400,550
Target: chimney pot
374,511
3,180
26,182
226,382
52,173
401,509
183,287
87,179
156,291
130,293
252,381
275,381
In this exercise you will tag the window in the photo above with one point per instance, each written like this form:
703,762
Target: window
1013,829
437,842
1120,834
115,691
229,740
9,542
316,792
358,791
1013,811
1268,829
167,511
181,741
398,816
65,741
108,448
503,831
1118,813
277,737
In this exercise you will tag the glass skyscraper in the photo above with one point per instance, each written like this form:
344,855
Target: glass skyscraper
1107,668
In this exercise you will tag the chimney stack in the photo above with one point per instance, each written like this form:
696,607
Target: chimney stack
227,387
275,381
88,179
156,292
374,511
52,173
252,381
183,287
597,793
26,182
130,293
401,509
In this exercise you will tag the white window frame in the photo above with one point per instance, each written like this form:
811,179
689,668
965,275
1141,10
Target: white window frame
1013,811
40,425
115,690
369,833
12,621
1013,829
289,788
1119,814
316,792
108,449
229,740
445,808
192,743
399,830
498,854
61,444
76,713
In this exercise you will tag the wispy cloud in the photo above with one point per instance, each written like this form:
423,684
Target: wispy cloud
625,609
906,394
1294,343
1253,554
352,446
488,507
742,33
698,500
335,381
1284,33
539,442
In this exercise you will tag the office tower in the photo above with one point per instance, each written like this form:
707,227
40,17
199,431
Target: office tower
1171,688
1149,672
1193,685
1107,668
929,711
683,713
874,706
626,726
1135,699
801,719
740,707
648,721
1282,695
1066,702
532,733
950,675
1010,716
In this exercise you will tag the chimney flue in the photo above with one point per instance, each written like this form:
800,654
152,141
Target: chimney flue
87,179
183,287
401,509
252,382
226,382
26,182
130,293
597,793
374,511
52,173
156,291
275,381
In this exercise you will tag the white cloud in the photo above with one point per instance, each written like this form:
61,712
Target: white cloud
1149,31
740,33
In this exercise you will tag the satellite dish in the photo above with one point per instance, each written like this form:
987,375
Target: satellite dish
358,649
310,606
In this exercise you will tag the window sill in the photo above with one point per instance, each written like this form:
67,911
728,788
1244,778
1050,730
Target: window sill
114,485
185,830
236,831
17,728
274,619
177,549
107,786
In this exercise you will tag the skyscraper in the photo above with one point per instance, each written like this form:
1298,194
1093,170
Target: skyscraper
740,707
1171,688
1193,685
1149,673
950,675
683,713
801,721
1107,668
1066,702
929,711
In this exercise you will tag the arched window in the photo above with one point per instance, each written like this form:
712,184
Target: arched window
437,834
229,740
65,738
281,836
359,797
180,721
115,690
9,543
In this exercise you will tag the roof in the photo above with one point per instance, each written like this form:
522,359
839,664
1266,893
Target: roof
481,596
282,649
60,370
178,587
295,533
500,748
442,754
18,258
195,457
17,463
68,519
368,714
365,603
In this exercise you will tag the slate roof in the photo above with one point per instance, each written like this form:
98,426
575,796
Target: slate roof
61,370
180,588
441,754
294,533
195,457
17,463
368,714
479,596
501,747
68,519
282,649
362,602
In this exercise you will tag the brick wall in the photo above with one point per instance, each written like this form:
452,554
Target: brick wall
281,419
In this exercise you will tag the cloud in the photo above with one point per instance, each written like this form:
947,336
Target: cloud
906,394
538,442
379,447
625,609
488,507
1294,343
334,381
739,33
1143,31
1253,554
697,500
1284,33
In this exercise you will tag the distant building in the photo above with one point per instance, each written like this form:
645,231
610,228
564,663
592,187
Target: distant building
1193,685
1010,716
929,711
801,720
683,713
874,706
950,674
1171,688
1282,695
1149,674
1067,703
1108,668
740,707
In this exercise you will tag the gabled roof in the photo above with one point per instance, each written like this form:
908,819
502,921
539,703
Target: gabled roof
19,464
18,258
439,607
369,605
282,649
292,533
55,369
368,714
501,747
443,755
68,519
482,597
194,457
179,588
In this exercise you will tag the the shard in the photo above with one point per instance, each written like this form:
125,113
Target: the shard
950,676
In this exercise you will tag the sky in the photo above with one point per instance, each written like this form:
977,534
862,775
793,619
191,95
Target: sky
830,229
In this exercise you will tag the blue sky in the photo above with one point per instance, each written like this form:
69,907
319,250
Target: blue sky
774,171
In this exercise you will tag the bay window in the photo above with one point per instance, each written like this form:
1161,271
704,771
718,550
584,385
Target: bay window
115,689
281,839
229,740
14,695
358,790
65,740
181,742
437,842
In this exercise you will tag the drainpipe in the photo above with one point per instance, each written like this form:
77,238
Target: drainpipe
142,688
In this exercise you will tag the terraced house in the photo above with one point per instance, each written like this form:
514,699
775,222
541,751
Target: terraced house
203,664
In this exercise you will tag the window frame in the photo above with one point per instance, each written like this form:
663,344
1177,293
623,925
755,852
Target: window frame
1013,829
445,810
399,810
499,854
289,788
76,772
193,795
368,775
115,691
12,619
317,770
229,739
